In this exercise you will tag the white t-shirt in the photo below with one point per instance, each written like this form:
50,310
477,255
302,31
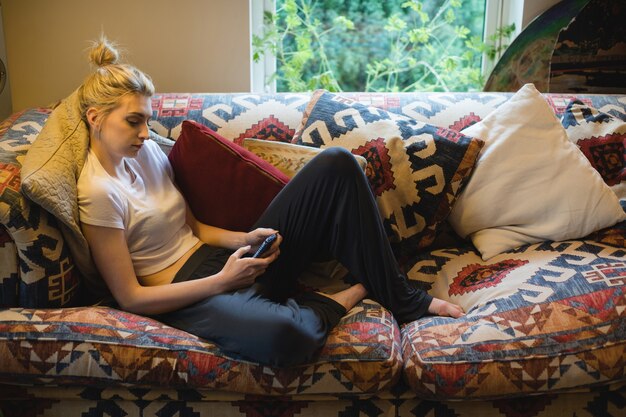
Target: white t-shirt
151,211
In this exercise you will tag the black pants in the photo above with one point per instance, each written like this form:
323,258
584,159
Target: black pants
326,211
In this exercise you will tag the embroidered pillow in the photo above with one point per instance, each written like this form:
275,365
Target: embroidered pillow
416,170
530,184
225,185
287,157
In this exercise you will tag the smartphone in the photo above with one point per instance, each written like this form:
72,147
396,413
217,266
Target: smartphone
265,245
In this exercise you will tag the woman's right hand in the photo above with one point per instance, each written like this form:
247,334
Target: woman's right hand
241,272
445,308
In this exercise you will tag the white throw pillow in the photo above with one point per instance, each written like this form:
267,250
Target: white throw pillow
530,183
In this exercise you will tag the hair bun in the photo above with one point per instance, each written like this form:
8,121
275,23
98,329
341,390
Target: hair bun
103,52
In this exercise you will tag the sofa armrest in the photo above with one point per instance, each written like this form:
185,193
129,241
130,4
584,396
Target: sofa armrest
41,273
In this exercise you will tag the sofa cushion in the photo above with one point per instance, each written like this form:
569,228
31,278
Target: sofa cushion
287,157
545,317
232,116
416,170
44,274
224,184
530,183
100,346
602,139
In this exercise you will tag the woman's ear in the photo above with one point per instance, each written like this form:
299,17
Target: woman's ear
93,118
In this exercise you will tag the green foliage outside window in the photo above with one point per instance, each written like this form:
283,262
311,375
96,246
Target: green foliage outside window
373,45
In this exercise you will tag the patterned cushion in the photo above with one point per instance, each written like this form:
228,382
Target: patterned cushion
416,170
613,236
100,346
47,277
601,137
8,122
233,116
542,318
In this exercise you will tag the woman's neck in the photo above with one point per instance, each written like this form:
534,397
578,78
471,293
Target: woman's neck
113,165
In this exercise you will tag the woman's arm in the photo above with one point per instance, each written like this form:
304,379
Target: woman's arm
223,238
112,258
215,236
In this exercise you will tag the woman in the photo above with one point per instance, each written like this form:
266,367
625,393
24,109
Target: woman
158,260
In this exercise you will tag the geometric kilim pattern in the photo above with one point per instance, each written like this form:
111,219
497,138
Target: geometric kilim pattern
9,177
105,347
103,402
554,322
613,236
611,274
45,272
601,138
276,116
415,169
9,277
234,116
475,277
270,128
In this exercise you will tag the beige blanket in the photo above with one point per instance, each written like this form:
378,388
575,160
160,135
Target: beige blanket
49,175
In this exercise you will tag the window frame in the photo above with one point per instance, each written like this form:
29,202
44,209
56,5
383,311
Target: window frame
266,66
498,13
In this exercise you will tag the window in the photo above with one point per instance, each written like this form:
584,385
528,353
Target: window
369,45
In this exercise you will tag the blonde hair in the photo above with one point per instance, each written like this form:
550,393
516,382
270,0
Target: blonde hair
111,80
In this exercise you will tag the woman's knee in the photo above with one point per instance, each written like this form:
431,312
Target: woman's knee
295,342
337,161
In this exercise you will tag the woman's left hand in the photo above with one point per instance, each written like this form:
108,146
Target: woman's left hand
257,236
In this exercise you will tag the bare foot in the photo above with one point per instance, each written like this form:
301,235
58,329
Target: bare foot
444,308
348,297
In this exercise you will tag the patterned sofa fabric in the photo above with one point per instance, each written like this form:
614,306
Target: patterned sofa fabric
45,275
105,347
100,402
547,317
277,116
233,116
575,333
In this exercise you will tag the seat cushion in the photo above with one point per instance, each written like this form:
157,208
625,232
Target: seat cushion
544,317
101,346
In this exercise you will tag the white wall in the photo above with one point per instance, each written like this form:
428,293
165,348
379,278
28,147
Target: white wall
185,45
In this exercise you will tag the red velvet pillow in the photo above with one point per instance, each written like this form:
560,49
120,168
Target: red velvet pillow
224,184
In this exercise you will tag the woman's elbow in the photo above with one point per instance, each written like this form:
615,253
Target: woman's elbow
132,302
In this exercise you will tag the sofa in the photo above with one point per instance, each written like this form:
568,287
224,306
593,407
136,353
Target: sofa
545,327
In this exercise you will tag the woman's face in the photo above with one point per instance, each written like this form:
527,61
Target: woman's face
122,132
